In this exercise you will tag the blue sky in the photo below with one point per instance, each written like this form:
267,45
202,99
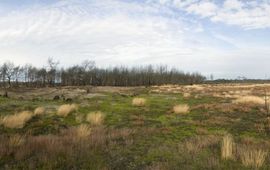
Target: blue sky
227,38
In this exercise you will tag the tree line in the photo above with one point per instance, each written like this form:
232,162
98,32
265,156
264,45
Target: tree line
87,73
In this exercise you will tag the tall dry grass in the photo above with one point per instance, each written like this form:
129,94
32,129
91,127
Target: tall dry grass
17,120
195,144
252,157
250,99
66,109
138,101
227,147
16,140
95,118
83,131
39,111
81,145
181,109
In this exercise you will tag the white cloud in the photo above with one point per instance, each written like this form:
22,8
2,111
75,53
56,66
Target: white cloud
203,8
176,3
244,14
247,18
233,5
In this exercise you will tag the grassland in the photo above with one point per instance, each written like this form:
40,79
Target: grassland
104,129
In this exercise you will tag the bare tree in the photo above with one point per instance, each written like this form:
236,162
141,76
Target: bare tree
52,69
88,65
17,72
7,72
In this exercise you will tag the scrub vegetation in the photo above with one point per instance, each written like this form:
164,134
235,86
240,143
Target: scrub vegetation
225,126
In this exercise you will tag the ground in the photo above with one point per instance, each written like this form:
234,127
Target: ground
149,136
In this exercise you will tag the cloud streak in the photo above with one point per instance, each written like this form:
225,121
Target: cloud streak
245,14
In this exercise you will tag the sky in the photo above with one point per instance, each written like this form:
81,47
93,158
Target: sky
226,38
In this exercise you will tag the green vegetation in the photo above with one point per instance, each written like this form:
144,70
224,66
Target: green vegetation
151,136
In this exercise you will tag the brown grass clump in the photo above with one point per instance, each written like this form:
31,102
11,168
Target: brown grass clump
252,157
138,101
186,95
16,140
195,87
66,109
198,143
250,99
83,131
95,118
227,147
17,120
181,109
39,111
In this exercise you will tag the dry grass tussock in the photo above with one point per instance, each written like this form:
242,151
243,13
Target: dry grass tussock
186,95
138,101
17,120
198,143
66,109
227,147
39,111
250,99
226,95
156,91
181,109
95,118
195,87
83,131
252,157
16,140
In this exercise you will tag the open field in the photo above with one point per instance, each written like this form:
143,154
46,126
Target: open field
223,126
